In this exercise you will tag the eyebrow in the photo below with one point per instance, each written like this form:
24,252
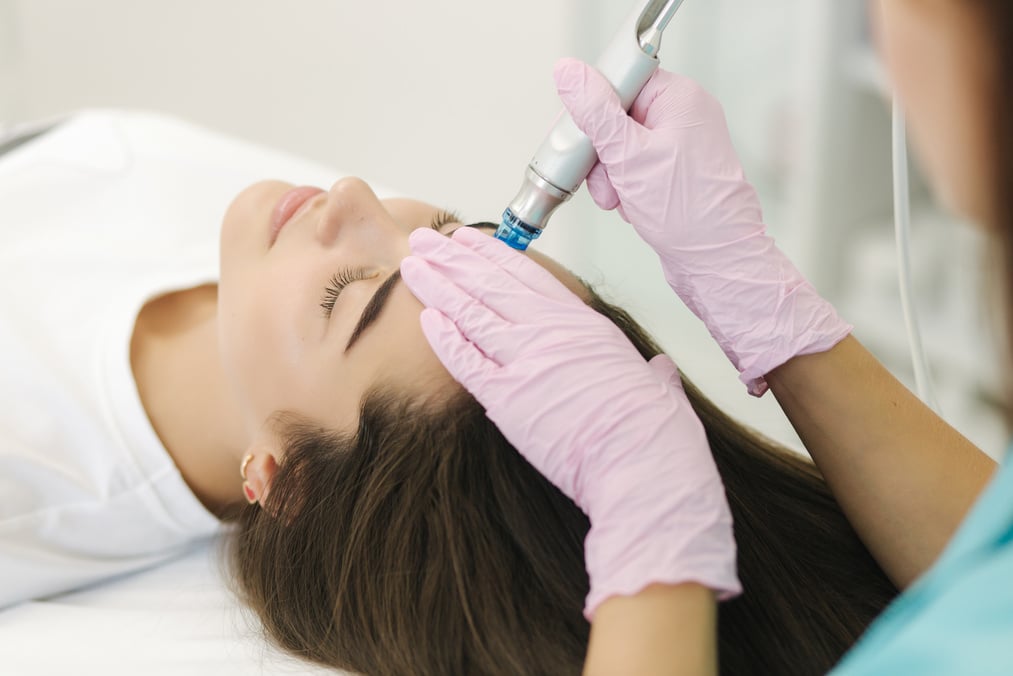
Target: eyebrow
375,305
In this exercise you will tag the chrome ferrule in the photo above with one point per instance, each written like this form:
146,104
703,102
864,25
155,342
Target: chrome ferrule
653,22
536,200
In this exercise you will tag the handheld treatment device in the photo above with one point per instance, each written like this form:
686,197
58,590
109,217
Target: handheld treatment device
566,156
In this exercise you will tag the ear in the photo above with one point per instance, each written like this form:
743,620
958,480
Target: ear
260,471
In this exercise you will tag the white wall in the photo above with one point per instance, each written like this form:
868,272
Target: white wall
425,98
447,99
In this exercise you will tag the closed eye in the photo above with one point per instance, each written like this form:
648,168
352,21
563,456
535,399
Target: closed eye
338,282
348,275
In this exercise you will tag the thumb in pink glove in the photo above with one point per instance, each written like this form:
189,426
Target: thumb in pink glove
571,393
670,168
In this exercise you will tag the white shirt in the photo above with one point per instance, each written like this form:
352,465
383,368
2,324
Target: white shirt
98,216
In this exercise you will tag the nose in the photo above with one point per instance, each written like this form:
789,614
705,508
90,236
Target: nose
352,207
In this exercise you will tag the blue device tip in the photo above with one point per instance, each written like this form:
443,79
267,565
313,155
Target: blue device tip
515,232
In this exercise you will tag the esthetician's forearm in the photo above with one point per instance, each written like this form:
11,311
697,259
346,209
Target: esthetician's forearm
665,630
903,476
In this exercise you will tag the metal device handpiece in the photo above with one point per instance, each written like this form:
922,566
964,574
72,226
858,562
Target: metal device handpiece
653,23
566,156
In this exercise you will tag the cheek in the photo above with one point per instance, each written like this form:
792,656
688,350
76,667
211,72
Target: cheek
267,336
245,294
249,359
266,318
951,143
934,59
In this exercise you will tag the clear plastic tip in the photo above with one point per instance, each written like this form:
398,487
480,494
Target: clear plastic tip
515,232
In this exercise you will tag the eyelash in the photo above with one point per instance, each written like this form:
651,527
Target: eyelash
443,217
347,275
338,282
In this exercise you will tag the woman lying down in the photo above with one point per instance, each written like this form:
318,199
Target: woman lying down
382,523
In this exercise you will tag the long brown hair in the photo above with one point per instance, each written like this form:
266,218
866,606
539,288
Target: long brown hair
998,17
423,543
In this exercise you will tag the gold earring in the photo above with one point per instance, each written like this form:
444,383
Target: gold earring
242,467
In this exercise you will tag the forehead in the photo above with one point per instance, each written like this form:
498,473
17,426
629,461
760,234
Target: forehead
406,209
412,210
393,353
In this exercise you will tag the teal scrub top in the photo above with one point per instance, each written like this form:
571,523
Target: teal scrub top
958,618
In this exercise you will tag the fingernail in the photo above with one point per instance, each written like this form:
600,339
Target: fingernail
409,268
466,235
424,239
433,324
563,73
561,68
429,318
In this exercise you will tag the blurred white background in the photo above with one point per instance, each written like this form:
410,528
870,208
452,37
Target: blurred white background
447,99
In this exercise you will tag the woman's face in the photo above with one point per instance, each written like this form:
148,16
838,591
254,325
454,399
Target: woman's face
281,351
938,56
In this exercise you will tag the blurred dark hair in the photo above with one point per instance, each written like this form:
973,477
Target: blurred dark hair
998,17
423,543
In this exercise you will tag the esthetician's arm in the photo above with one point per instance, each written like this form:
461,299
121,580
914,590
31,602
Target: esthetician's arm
903,476
662,631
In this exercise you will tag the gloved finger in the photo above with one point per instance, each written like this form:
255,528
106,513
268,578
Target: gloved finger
466,363
595,108
489,270
478,323
519,265
644,105
599,186
666,370
674,101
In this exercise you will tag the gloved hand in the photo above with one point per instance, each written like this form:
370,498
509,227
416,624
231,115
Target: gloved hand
564,385
670,168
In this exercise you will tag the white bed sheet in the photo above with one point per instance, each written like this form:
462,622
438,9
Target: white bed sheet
176,618
179,617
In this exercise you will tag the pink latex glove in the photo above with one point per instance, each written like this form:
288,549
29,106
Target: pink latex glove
564,385
670,168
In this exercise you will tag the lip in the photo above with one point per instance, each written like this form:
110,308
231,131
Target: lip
288,205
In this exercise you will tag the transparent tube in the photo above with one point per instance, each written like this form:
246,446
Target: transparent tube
902,223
